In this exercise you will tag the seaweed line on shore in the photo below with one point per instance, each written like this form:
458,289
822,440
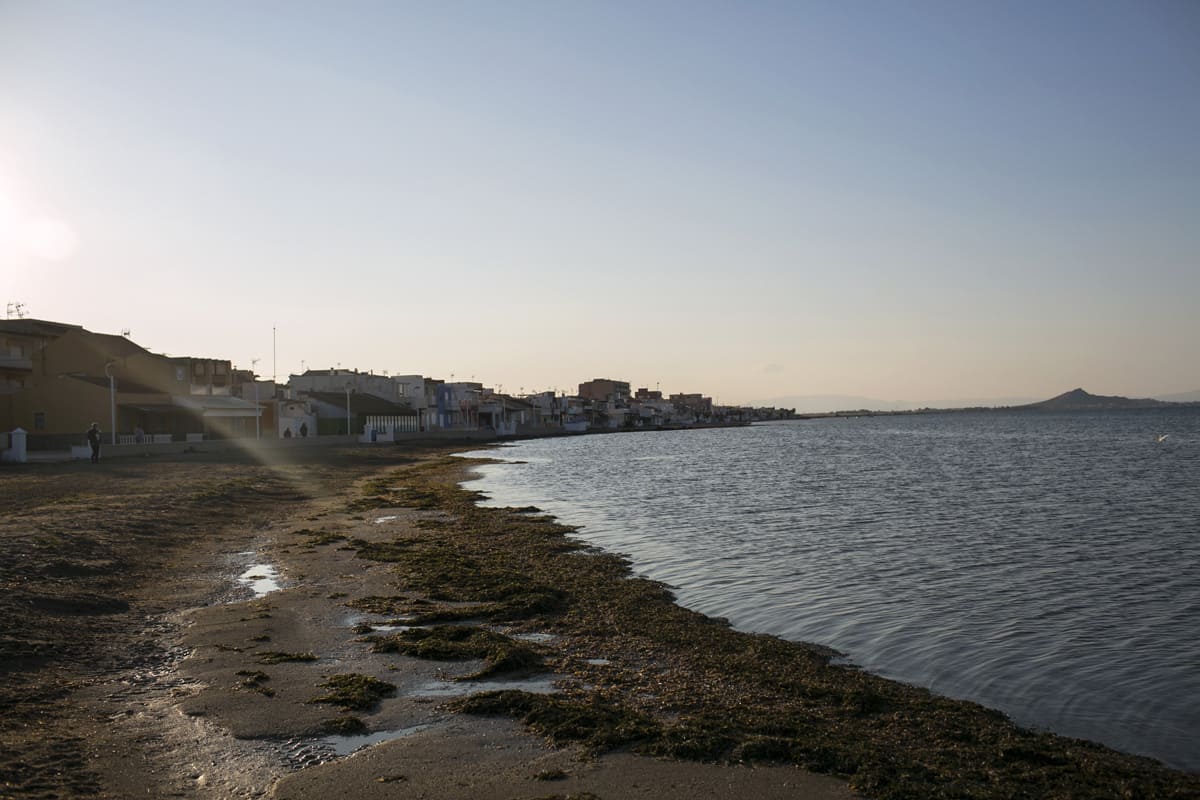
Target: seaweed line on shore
95,557
675,683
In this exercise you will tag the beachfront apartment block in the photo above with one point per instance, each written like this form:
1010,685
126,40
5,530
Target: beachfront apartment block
653,411
698,405
549,408
75,377
21,340
339,380
456,405
352,412
413,391
605,390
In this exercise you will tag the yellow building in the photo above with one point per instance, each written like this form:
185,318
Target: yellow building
67,378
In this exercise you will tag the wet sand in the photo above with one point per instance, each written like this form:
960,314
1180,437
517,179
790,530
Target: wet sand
232,625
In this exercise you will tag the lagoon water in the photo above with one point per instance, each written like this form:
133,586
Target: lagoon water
1047,565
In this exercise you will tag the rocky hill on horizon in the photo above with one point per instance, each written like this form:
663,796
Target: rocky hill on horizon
1081,400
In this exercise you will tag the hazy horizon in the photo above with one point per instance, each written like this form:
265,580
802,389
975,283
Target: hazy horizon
865,199
819,404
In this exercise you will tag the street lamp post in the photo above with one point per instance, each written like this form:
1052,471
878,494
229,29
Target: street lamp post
112,400
257,408
347,409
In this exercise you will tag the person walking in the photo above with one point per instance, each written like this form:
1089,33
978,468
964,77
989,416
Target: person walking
93,437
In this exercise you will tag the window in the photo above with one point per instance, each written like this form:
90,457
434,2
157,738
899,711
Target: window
39,420
179,374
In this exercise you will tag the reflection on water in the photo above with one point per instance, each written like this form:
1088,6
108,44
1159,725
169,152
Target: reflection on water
1044,564
262,579
538,684
345,745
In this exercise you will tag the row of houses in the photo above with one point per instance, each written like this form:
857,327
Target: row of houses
56,379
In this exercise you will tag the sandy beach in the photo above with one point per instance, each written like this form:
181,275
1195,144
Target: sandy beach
319,622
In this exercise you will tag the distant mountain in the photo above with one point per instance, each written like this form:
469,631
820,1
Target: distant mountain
1079,400
1074,400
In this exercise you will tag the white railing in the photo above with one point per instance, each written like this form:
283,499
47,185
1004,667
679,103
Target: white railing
145,438
394,424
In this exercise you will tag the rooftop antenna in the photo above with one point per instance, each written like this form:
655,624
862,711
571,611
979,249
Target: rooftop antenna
125,332
17,310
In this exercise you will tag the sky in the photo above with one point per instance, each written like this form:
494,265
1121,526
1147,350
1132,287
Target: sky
922,201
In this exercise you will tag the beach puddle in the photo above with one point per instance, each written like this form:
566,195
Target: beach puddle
540,684
598,662
345,745
361,624
384,520
262,579
306,752
538,638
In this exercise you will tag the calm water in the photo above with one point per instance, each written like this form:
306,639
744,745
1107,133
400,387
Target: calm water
1044,564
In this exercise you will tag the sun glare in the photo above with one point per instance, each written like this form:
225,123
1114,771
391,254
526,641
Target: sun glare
50,239
9,219
43,237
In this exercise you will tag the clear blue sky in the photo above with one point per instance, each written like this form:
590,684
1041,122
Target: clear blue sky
922,201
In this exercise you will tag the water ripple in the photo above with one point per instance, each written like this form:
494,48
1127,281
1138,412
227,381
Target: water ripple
1047,565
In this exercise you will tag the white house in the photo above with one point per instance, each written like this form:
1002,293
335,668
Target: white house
296,418
337,380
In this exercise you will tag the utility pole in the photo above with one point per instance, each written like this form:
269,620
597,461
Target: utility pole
112,400
257,407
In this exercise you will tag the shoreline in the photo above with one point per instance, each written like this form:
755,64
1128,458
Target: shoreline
145,632
1057,673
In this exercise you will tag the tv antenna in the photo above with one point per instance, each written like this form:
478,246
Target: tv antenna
17,310
125,332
